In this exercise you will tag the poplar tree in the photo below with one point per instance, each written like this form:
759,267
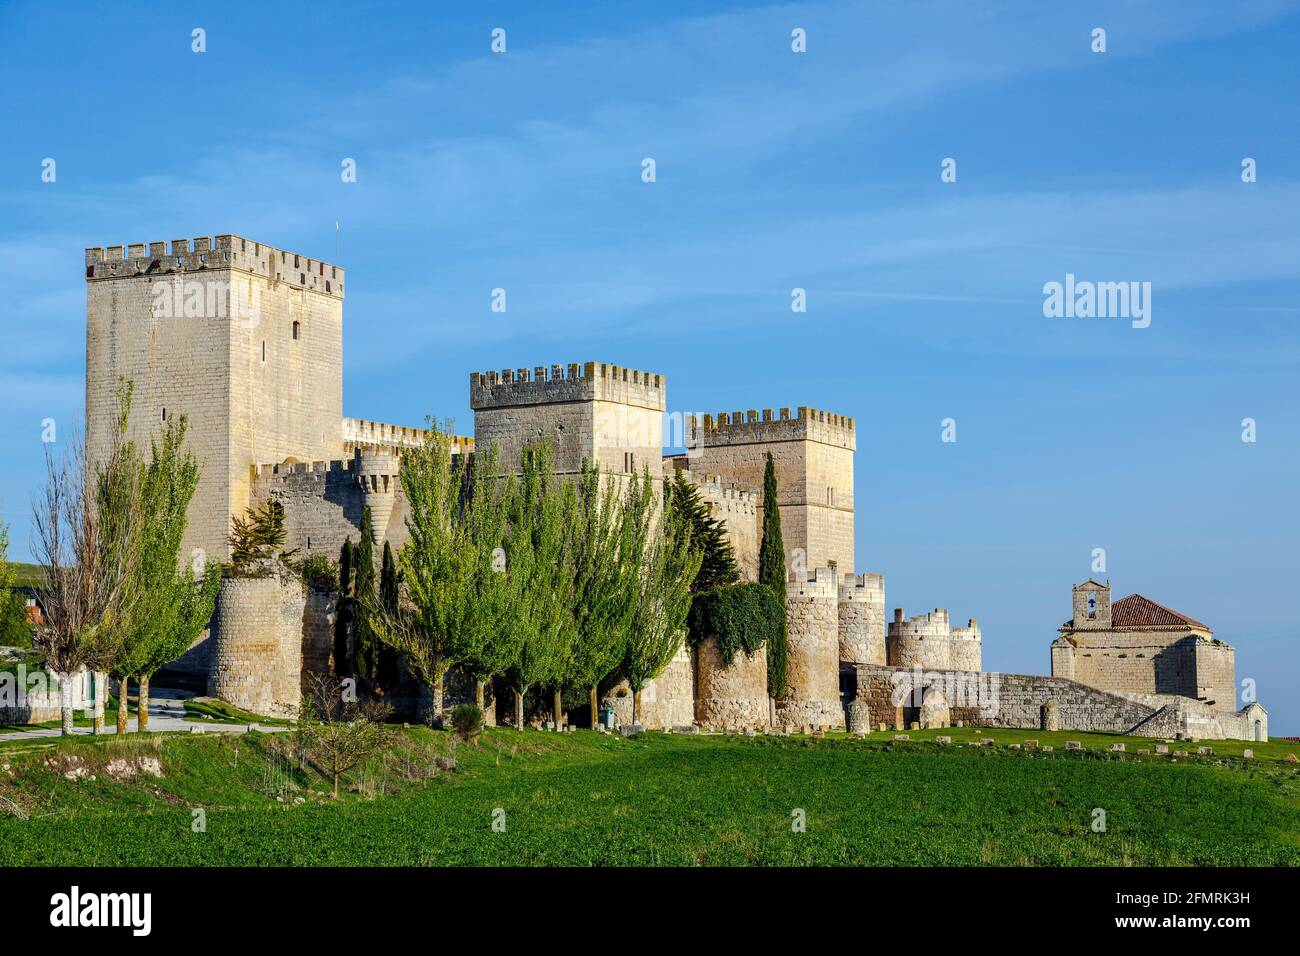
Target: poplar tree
540,575
440,621
605,561
83,529
771,571
174,599
663,593
488,495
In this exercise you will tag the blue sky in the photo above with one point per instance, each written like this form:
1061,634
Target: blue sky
774,171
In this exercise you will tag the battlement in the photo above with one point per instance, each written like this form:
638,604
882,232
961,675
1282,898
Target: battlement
579,382
207,254
761,427
863,587
819,584
361,431
362,463
719,489
936,618
363,434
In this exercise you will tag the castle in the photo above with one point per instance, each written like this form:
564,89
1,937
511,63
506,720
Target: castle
246,340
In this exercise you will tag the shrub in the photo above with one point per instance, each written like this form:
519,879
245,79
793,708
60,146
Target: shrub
320,573
467,720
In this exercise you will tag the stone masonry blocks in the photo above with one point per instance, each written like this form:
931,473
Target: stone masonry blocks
257,658
813,652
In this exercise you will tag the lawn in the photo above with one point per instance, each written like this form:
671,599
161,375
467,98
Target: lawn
585,798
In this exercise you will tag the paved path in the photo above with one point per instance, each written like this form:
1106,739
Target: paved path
166,715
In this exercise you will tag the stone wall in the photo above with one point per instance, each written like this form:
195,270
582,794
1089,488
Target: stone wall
862,619
257,638
994,699
731,697
813,653
318,619
1149,662
667,701
889,695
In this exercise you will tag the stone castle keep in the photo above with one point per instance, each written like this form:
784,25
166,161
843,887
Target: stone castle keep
246,340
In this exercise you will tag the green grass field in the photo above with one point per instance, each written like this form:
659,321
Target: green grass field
585,798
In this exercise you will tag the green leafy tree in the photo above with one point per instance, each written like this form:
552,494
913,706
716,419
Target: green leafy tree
663,595
488,495
84,525
14,627
257,543
605,564
540,575
442,565
771,571
174,599
718,565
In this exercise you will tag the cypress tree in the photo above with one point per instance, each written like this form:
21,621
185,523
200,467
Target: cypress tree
346,612
345,568
388,580
364,588
771,571
386,668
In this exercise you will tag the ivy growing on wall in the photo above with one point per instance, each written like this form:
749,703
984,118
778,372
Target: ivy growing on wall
740,617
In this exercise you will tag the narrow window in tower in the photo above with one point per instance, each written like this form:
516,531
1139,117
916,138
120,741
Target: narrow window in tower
263,350
295,330
164,413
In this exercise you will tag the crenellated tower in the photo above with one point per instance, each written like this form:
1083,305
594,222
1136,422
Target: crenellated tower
603,413
242,338
813,455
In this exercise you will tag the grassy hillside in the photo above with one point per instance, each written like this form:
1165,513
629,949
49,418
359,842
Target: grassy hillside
660,799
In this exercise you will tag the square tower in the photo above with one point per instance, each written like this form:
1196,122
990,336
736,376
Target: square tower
813,456
244,339
601,413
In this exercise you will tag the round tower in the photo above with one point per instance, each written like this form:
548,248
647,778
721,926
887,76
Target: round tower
965,647
923,641
813,653
257,634
730,697
376,472
862,619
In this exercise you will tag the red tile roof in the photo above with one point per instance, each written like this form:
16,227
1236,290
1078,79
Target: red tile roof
1138,611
